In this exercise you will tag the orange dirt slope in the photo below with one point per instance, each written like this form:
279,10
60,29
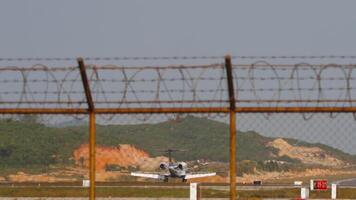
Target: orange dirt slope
123,155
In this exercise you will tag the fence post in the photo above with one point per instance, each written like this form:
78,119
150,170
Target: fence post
311,185
230,84
91,127
194,189
333,191
304,193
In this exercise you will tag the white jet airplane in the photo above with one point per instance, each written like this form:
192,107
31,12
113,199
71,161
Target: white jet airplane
175,170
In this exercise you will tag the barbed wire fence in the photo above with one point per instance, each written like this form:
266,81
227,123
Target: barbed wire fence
267,89
257,84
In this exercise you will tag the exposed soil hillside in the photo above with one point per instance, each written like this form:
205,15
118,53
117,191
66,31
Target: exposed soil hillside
127,156
123,155
36,148
32,146
307,155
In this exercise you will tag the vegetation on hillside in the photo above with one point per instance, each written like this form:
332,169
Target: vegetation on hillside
199,137
26,143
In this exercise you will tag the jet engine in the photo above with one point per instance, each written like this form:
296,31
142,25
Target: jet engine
182,165
163,166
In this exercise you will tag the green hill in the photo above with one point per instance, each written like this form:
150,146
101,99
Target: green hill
201,138
25,144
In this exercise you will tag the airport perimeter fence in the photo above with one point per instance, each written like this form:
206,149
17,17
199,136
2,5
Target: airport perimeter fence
268,126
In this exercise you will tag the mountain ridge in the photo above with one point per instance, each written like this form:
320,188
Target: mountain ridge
30,144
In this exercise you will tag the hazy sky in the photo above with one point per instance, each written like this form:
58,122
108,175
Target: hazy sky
71,28
41,28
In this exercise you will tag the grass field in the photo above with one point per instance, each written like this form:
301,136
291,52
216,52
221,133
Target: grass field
162,192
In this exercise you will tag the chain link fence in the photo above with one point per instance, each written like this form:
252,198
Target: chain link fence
142,111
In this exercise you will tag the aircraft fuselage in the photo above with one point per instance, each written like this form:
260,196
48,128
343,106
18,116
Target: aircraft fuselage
176,172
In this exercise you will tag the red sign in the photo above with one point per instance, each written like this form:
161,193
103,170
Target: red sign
320,184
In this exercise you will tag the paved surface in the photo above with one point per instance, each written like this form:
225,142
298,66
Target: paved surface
347,182
350,183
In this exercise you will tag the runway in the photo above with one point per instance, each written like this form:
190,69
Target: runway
268,191
347,182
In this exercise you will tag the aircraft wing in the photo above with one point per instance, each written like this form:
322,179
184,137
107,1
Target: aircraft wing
190,176
146,175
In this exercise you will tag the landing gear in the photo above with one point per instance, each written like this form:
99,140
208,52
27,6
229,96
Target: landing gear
165,179
184,180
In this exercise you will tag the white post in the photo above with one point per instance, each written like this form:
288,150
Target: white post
333,191
311,185
193,191
86,183
304,193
